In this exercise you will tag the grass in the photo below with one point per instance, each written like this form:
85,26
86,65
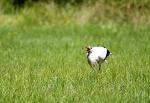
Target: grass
135,12
48,64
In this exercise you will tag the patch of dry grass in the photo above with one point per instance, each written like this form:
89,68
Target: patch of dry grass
100,12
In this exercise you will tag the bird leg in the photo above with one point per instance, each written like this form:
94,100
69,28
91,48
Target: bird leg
93,67
99,66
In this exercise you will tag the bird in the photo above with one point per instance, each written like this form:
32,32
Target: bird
97,55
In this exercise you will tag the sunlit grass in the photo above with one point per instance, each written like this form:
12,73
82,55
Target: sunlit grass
48,64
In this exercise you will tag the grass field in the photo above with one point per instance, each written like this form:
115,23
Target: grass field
48,64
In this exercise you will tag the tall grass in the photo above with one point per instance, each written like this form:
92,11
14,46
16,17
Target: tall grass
41,13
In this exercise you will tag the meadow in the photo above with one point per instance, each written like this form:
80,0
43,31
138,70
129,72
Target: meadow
48,64
43,59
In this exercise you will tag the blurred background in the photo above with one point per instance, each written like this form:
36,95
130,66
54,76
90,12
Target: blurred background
47,12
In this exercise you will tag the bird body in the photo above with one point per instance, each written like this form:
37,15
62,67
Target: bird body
97,55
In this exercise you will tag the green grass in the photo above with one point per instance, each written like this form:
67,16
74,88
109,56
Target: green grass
48,64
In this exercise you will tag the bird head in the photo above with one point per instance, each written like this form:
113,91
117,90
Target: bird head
88,48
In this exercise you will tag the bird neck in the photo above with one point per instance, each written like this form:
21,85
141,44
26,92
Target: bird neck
88,53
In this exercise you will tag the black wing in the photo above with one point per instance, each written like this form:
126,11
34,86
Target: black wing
107,54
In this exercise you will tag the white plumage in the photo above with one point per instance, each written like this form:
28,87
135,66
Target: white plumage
97,55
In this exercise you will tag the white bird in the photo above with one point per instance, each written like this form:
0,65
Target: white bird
97,55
